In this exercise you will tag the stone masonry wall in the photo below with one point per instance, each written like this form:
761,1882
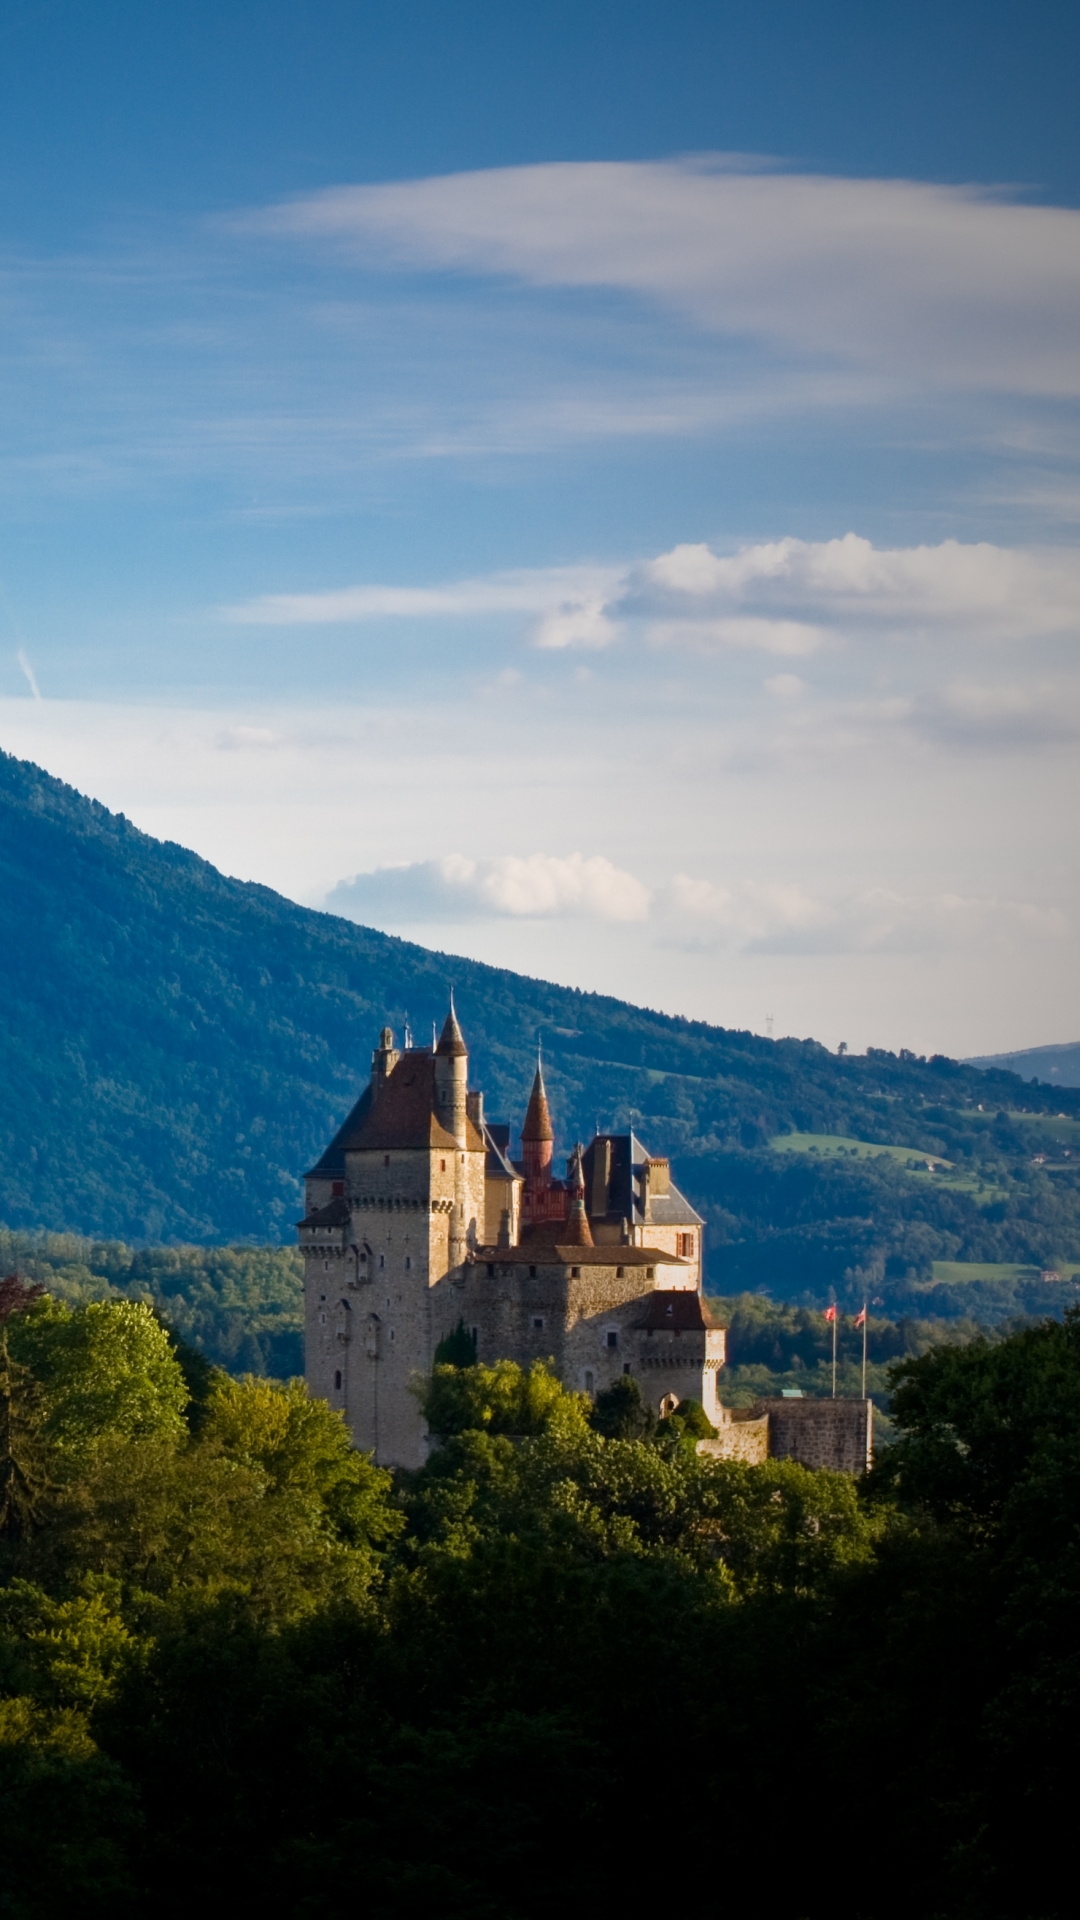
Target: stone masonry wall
821,1433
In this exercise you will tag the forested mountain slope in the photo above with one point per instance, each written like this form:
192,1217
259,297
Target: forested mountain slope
176,1047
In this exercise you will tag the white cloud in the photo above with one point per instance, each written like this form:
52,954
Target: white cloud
573,596
996,592
533,886
786,686
938,284
792,637
759,917
786,597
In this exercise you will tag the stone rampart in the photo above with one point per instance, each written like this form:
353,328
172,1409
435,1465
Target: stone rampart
821,1433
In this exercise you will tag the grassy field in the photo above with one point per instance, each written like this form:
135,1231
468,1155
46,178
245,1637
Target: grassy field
956,1272
925,1166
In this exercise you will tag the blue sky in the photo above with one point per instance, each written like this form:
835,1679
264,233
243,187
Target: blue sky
591,486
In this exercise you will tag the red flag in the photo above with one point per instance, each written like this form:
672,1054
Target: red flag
860,1318
830,1313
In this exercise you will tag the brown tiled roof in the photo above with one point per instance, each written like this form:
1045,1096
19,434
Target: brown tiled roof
541,1252
675,1311
403,1115
538,1114
334,1214
332,1164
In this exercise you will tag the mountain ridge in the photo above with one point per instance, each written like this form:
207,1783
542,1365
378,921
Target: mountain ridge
177,1046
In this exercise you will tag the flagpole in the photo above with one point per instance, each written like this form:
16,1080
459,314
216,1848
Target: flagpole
864,1349
835,1318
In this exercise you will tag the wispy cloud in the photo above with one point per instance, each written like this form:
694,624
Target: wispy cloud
939,285
31,678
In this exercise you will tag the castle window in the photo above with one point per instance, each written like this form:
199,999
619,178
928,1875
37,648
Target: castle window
620,1273
337,1189
382,1261
322,1296
612,1337
588,1382
442,1166
650,1273
408,1262
475,1334
326,1266
685,1246
532,1273
337,1381
626,1366
491,1268
575,1273
391,1333
386,1159
538,1324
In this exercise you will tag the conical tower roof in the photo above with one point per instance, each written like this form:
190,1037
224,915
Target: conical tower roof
451,1039
538,1117
577,1232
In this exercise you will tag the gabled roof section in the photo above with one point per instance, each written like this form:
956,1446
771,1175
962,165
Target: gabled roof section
334,1214
332,1164
403,1115
675,1312
628,1156
498,1161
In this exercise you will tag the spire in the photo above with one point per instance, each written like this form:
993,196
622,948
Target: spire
577,1232
538,1116
451,1039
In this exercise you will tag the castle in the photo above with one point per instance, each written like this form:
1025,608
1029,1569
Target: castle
418,1220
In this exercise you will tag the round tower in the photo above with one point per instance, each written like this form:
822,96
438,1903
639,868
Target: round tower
537,1137
452,1078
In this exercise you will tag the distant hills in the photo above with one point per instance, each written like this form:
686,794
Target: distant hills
176,1047
1054,1066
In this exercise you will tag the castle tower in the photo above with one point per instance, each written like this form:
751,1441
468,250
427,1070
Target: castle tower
577,1232
452,1108
537,1137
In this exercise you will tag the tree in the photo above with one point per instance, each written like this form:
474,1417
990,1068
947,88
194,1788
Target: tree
104,1369
24,1474
457,1349
620,1413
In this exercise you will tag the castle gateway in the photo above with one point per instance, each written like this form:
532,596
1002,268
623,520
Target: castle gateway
417,1218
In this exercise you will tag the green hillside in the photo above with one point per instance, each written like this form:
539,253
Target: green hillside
176,1047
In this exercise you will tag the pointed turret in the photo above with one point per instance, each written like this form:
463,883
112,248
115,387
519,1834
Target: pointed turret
538,1114
537,1137
451,1040
452,1077
577,1232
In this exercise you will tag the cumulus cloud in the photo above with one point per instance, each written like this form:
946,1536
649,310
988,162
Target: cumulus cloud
531,886
947,285
976,587
785,597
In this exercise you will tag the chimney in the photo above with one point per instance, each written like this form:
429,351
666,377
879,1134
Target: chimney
383,1061
601,1175
474,1107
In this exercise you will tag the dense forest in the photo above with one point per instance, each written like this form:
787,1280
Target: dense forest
176,1047
571,1662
